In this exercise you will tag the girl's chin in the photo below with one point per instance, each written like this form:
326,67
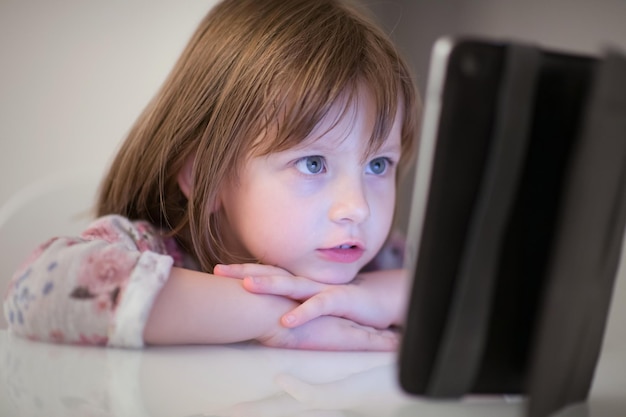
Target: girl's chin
332,276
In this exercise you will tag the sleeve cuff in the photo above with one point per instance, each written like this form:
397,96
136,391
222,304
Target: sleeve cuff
146,281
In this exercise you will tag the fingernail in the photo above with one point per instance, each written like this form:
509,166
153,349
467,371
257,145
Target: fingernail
289,319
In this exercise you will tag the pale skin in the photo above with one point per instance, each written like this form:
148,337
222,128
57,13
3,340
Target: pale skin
313,216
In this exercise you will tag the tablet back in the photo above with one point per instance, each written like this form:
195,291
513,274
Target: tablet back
508,136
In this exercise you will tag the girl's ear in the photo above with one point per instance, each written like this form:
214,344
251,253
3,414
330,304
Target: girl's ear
185,179
185,176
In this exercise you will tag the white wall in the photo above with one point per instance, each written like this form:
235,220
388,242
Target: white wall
74,75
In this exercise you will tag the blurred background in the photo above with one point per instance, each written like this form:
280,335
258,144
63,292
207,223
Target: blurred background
75,74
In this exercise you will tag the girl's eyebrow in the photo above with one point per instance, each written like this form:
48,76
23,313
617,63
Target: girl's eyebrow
315,146
324,148
389,147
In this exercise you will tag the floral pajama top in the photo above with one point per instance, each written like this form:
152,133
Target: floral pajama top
98,288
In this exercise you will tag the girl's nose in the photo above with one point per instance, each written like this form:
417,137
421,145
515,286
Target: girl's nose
349,202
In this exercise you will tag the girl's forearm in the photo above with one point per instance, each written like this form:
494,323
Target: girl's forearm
199,308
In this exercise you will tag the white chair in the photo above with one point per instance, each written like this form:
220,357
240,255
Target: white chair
58,205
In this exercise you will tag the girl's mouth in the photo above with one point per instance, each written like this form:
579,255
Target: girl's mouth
345,253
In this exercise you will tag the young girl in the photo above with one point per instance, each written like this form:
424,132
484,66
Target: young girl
271,154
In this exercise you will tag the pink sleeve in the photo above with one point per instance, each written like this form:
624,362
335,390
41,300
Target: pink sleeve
94,289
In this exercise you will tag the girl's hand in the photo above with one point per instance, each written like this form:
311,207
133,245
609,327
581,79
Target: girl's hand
331,333
375,299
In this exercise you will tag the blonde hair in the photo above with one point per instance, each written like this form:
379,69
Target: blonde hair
250,64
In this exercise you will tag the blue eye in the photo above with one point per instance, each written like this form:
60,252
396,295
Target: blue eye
378,166
311,164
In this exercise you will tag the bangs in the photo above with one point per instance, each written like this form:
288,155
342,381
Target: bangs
324,69
291,122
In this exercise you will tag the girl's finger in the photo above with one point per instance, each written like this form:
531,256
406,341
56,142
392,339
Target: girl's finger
329,303
352,336
296,288
243,270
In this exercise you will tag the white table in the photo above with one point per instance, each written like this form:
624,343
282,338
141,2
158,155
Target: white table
39,379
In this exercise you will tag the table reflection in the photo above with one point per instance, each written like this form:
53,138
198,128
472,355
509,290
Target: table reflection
243,380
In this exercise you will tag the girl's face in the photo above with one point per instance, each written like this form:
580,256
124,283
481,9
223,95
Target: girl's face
320,210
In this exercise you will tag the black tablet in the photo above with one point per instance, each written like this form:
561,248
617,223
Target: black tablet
516,224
